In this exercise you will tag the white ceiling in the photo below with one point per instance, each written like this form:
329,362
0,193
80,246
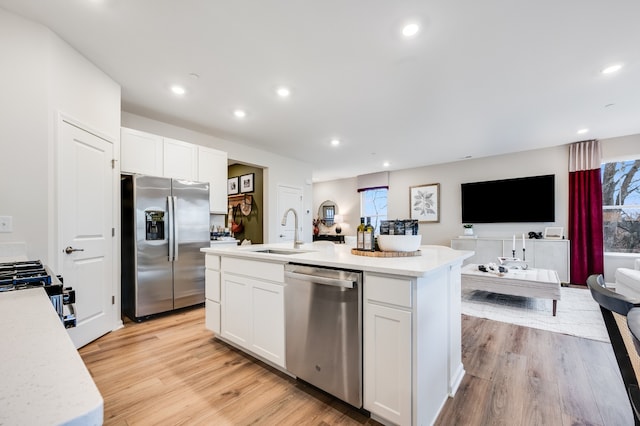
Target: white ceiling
481,77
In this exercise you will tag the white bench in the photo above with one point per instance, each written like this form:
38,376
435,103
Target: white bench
542,283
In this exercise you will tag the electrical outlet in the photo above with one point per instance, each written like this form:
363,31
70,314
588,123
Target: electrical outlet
6,224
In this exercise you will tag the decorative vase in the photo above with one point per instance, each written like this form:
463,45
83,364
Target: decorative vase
468,231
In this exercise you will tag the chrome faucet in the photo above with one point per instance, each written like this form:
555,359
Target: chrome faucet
296,242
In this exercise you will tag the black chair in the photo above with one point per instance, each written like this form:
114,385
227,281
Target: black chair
609,299
610,302
633,322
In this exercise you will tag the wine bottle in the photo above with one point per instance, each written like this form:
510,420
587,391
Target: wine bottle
368,236
360,238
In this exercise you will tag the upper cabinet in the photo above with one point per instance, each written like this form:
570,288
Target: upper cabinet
180,159
141,152
153,155
212,168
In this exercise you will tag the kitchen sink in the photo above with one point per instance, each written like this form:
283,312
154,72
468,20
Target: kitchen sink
281,251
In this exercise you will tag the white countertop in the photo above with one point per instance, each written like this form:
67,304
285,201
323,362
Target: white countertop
339,256
44,380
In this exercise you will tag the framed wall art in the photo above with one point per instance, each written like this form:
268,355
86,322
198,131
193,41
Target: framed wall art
232,186
246,183
424,202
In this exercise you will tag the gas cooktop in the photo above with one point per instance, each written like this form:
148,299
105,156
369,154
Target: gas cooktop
25,274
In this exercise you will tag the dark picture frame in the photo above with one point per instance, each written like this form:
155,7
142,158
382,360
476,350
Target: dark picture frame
232,186
247,183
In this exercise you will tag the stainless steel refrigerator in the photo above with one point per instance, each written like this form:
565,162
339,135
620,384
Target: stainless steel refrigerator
165,223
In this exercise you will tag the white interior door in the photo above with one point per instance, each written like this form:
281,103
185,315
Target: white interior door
289,197
86,216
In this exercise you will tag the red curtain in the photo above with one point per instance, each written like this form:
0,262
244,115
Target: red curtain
585,217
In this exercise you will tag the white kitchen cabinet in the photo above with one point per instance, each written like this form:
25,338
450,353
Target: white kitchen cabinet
267,315
212,316
543,253
387,362
141,152
180,159
236,309
212,168
153,155
412,358
252,307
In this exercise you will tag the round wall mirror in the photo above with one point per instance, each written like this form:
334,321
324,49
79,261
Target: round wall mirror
327,212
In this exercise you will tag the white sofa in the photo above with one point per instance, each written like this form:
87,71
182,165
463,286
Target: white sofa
628,281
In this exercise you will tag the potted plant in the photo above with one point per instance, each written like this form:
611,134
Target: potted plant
468,228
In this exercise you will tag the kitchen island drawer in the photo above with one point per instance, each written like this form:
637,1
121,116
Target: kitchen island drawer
212,261
254,268
388,289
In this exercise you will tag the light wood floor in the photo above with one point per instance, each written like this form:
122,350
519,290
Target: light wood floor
170,371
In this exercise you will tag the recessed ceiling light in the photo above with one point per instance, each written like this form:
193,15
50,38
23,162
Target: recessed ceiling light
582,131
611,69
335,142
178,90
410,30
283,92
239,113
385,164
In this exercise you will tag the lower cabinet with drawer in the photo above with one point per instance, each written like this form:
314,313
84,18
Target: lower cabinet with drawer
387,347
412,357
252,307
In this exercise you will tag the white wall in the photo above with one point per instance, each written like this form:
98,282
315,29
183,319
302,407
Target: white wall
344,192
41,77
450,176
24,167
278,170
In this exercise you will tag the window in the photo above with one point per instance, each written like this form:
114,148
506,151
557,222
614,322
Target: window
373,204
621,206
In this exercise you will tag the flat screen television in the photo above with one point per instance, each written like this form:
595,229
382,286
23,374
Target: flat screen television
526,199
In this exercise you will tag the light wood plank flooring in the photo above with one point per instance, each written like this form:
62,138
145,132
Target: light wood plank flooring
171,371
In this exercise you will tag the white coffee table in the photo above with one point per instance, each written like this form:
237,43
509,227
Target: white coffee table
542,283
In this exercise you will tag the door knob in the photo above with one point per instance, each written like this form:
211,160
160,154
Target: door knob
70,250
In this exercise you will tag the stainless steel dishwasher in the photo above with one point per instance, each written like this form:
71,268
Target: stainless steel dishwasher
323,321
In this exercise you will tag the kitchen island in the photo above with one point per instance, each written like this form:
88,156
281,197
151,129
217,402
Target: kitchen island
411,318
44,380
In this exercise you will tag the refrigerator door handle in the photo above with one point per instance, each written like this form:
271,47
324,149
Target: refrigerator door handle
175,229
170,238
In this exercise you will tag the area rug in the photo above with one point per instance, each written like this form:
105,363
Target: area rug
577,313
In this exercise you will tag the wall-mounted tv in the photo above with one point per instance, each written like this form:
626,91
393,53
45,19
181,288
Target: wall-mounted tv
526,199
